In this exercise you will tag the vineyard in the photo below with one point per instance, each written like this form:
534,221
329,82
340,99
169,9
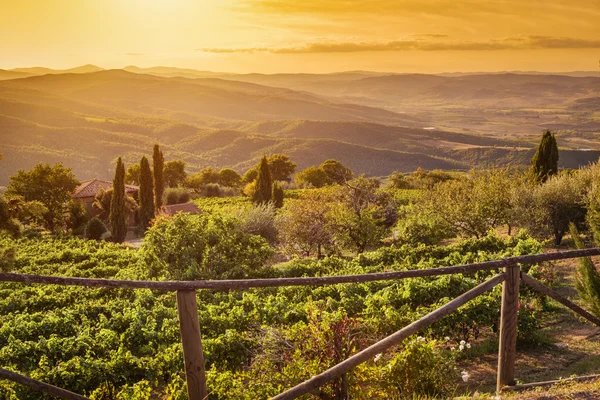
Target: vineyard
109,343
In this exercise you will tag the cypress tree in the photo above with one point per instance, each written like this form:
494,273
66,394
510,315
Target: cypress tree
118,219
146,195
158,164
264,184
277,195
545,161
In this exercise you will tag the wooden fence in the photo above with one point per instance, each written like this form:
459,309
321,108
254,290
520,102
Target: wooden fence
510,277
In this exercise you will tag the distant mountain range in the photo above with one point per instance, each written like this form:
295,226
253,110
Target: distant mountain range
375,123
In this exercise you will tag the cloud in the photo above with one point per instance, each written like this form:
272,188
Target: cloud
528,42
430,35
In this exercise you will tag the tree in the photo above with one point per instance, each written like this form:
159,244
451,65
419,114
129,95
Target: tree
158,163
51,186
78,217
264,184
202,247
548,209
146,211
473,204
358,217
8,222
102,203
175,173
304,226
313,177
204,177
132,176
281,167
118,218
277,195
250,175
336,172
229,178
545,161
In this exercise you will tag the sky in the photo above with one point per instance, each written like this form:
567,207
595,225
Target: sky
316,36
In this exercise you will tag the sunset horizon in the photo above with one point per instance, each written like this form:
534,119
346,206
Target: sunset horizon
279,36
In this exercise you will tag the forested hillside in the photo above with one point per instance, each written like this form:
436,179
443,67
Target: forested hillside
85,119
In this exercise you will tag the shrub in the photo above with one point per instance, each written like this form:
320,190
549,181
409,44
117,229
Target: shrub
277,195
422,368
260,220
416,226
202,247
176,196
78,217
94,229
588,278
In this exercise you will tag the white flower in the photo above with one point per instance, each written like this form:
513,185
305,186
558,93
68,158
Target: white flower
465,376
462,342
461,347
377,357
447,338
420,339
452,349
468,345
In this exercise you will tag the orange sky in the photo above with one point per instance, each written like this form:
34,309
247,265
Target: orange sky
303,36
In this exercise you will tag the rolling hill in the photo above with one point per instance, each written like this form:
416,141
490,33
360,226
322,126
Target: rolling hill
86,120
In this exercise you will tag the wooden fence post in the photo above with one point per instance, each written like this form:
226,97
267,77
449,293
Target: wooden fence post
193,357
507,351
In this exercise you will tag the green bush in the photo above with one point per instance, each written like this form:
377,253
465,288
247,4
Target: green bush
176,196
94,229
202,247
422,368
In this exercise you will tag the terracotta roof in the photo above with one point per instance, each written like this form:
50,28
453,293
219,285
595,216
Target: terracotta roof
92,187
184,207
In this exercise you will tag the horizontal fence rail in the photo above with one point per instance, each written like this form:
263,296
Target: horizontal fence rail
192,340
237,284
390,341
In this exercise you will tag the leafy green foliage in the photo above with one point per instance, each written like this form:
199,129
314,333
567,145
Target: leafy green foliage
547,209
158,174
281,167
545,160
312,177
146,195
422,368
199,246
118,217
176,196
230,178
174,173
51,186
78,217
278,195
132,175
336,172
304,226
103,200
94,229
588,279
472,205
264,183
110,341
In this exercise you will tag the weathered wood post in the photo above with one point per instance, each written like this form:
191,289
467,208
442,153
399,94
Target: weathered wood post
507,350
193,357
